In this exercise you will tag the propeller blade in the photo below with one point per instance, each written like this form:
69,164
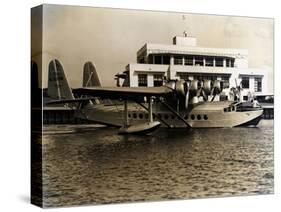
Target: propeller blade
213,98
199,92
212,92
204,95
186,100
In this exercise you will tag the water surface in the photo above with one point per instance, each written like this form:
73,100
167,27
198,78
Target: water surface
94,165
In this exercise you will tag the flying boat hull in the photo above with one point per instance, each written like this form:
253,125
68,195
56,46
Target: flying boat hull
205,115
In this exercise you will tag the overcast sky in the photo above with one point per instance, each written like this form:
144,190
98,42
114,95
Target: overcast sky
110,38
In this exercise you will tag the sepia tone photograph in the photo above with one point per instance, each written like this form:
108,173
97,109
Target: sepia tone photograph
134,105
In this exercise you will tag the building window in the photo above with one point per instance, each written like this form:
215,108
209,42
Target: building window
219,62
157,59
199,61
245,82
183,75
178,60
205,77
142,80
258,84
150,59
166,59
232,63
245,98
227,62
209,61
158,80
188,60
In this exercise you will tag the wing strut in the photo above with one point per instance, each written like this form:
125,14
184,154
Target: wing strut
175,112
160,119
126,120
150,109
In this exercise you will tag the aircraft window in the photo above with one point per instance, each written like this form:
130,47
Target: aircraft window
192,117
227,109
172,117
205,117
135,115
129,115
141,116
199,117
166,116
153,116
186,117
146,116
233,108
159,116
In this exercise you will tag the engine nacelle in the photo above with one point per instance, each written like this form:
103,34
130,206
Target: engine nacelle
207,86
217,85
194,85
181,88
182,92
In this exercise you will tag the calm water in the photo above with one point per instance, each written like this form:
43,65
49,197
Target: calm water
94,165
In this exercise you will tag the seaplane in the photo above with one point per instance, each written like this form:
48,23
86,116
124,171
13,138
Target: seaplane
141,110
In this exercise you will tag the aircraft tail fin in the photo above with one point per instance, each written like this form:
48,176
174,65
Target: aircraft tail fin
90,75
58,87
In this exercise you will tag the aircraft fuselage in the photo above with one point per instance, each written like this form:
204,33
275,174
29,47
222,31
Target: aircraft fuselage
201,115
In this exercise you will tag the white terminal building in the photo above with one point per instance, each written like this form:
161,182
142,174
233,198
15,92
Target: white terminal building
185,60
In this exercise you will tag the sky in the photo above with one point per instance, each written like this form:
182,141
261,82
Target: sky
110,38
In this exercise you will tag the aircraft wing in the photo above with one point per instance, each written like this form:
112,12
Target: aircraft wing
123,92
65,101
